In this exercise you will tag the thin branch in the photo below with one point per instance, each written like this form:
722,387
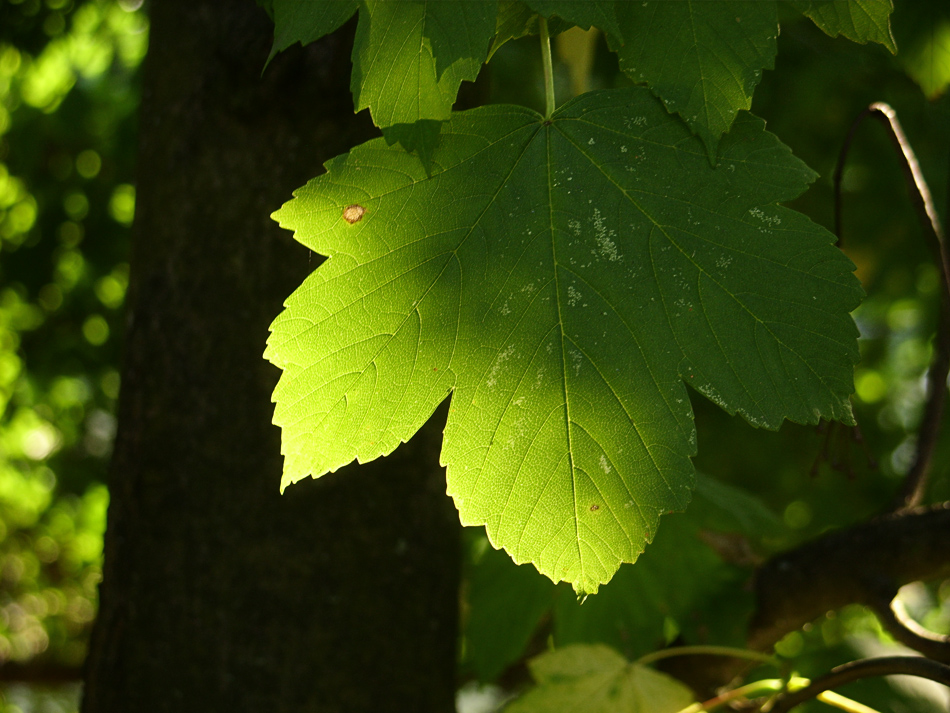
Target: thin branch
730,651
883,666
839,568
846,567
914,485
894,617
912,491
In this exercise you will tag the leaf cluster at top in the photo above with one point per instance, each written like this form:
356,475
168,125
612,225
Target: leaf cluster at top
702,59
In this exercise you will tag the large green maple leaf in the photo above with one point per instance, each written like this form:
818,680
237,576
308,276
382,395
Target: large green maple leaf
562,279
703,59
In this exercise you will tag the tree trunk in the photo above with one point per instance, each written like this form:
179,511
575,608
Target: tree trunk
219,594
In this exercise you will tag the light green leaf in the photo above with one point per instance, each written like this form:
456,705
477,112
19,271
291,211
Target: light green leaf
410,57
859,20
562,279
306,21
596,679
703,59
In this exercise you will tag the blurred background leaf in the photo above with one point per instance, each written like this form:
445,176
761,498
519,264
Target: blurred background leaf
68,100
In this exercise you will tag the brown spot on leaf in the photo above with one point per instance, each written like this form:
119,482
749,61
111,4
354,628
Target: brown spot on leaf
353,213
594,508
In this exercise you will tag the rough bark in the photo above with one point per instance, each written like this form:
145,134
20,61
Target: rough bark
220,594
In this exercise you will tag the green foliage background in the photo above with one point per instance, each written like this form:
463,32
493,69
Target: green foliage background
68,96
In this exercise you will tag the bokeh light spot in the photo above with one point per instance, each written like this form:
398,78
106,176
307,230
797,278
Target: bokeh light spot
96,330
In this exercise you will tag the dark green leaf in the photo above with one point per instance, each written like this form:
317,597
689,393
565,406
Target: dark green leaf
421,138
663,594
858,20
703,59
306,21
583,13
515,20
506,602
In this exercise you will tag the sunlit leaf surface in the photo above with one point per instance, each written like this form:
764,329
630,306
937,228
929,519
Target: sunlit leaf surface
563,280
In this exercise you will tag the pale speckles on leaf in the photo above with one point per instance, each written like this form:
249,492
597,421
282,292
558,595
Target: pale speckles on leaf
604,465
540,377
576,360
353,213
573,296
770,220
606,248
499,361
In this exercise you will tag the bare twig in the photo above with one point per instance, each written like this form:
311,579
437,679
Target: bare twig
912,491
914,485
893,615
865,668
839,568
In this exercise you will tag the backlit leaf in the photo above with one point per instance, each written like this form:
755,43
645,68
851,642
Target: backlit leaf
563,280
410,57
596,679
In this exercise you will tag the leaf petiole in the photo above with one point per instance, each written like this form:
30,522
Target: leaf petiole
546,61
706,650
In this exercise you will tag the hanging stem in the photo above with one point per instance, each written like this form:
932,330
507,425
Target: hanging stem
548,69
706,650
915,482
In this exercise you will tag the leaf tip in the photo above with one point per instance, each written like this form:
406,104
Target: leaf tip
583,589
